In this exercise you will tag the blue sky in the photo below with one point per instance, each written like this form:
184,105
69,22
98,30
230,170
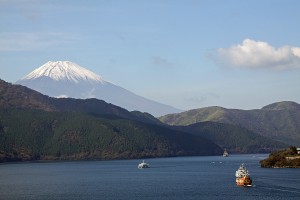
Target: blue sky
187,54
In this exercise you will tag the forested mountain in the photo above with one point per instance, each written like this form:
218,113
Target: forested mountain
233,138
34,126
17,96
35,134
279,121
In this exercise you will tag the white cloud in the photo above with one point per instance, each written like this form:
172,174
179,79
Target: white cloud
34,41
257,54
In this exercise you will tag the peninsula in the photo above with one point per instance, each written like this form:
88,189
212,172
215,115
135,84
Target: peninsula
288,158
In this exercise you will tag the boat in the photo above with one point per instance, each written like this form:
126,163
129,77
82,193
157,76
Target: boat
143,165
225,154
243,177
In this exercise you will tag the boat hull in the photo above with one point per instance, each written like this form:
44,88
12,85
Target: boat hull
244,181
143,165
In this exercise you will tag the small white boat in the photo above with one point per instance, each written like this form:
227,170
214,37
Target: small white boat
143,165
225,154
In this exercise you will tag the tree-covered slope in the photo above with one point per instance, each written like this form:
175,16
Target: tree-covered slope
35,134
50,128
233,138
287,158
279,121
12,96
17,96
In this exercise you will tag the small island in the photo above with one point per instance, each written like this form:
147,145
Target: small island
288,158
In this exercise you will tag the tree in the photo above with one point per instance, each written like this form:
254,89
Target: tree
293,150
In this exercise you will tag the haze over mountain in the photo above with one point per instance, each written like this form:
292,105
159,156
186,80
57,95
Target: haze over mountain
67,79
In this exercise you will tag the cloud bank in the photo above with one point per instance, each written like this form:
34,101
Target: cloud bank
257,54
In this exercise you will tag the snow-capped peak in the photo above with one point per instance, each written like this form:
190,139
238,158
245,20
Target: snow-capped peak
64,70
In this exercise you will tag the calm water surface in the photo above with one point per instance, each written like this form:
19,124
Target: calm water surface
209,177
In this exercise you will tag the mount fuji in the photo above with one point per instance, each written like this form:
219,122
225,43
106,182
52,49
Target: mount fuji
66,79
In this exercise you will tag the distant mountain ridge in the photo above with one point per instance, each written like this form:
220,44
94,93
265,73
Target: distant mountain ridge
279,121
67,79
284,105
17,96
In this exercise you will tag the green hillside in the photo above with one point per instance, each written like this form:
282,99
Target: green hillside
17,96
284,105
193,116
35,126
12,96
233,138
35,134
287,158
279,121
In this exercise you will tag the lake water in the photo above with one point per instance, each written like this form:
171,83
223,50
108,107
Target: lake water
208,177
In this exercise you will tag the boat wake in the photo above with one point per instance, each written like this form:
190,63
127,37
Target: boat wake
279,189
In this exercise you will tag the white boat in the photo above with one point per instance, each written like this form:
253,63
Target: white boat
225,154
143,165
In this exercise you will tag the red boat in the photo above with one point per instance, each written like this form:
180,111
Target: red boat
243,177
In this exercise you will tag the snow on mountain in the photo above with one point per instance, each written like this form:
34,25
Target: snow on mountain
64,70
67,79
